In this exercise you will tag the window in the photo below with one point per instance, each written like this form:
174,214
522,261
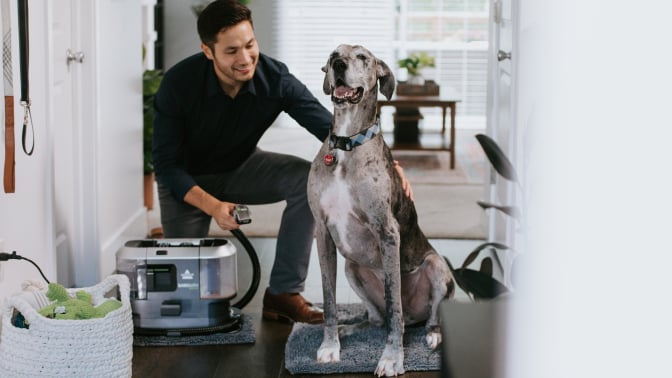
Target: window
309,30
455,32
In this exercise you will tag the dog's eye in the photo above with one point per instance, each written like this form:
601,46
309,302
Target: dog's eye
362,57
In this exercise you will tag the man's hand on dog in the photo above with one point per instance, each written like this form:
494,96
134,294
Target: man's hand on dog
404,183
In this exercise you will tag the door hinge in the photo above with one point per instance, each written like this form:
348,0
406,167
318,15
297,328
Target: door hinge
497,11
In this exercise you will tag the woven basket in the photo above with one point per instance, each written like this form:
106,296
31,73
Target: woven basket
101,347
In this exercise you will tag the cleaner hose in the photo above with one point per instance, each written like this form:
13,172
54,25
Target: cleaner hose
256,269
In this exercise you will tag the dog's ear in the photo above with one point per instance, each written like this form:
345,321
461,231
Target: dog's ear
386,78
326,87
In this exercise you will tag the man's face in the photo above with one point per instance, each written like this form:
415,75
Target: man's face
235,55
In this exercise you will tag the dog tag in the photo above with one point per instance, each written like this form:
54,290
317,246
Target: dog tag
329,159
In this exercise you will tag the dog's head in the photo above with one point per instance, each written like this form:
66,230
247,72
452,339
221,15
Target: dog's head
353,71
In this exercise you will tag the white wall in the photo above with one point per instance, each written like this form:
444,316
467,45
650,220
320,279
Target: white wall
111,146
180,34
121,214
595,286
25,217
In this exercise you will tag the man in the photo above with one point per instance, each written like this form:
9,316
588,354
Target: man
210,112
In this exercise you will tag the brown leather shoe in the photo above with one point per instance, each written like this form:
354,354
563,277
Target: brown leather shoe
291,307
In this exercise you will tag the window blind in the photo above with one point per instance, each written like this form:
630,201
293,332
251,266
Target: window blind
309,30
453,31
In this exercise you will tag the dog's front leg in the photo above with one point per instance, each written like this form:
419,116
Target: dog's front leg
330,349
391,363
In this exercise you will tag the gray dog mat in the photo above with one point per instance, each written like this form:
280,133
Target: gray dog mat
360,351
244,336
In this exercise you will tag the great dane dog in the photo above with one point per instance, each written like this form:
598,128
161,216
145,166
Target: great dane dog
361,210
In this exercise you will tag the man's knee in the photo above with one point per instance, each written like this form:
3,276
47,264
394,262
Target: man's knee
186,226
181,220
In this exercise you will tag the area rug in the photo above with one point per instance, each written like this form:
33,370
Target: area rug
244,336
360,351
432,167
444,211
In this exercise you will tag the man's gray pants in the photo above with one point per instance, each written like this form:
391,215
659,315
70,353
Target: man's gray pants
264,178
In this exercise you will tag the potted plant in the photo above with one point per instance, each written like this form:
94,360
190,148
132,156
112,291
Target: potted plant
406,119
414,63
151,79
481,284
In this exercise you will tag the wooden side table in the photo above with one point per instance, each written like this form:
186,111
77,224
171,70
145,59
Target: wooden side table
429,101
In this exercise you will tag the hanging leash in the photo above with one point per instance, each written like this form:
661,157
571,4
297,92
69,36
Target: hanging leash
24,60
8,175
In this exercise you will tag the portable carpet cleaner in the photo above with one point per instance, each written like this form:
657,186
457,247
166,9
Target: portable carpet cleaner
184,287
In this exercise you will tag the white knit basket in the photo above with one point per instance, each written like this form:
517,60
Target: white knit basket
101,347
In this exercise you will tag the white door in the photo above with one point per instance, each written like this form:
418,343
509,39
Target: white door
74,228
501,116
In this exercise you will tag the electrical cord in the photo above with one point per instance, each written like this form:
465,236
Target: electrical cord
4,256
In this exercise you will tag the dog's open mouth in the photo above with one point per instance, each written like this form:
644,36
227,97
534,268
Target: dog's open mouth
343,93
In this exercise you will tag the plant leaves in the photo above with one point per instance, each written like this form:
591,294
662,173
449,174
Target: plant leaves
151,80
497,158
414,62
478,284
511,211
474,254
486,266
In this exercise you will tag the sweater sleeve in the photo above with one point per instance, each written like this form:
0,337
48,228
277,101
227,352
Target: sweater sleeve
305,109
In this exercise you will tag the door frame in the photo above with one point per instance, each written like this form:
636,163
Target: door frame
501,228
73,245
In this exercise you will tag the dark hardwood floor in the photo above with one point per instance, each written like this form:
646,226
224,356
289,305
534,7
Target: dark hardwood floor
264,358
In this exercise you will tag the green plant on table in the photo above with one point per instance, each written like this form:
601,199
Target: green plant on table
415,62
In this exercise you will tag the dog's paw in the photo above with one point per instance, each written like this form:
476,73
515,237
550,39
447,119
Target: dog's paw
331,353
433,339
391,364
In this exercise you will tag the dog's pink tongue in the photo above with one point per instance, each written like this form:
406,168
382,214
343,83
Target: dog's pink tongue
342,91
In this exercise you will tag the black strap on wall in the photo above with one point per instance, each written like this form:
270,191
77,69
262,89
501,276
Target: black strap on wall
23,48
23,56
9,175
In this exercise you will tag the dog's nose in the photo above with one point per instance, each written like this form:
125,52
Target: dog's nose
339,65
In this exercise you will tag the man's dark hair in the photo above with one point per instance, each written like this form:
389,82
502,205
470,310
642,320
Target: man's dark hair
220,15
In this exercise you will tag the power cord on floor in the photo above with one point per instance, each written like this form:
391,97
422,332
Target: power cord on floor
4,256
